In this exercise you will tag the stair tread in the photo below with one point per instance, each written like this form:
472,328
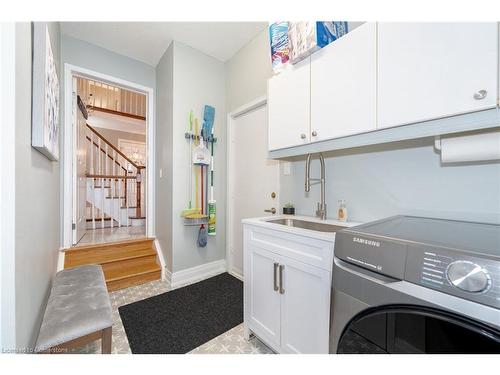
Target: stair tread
148,265
111,244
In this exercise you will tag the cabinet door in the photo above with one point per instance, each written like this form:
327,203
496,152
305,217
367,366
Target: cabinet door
289,95
305,308
344,85
432,70
262,305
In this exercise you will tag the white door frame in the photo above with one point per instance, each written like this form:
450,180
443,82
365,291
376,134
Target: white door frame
250,106
68,146
8,185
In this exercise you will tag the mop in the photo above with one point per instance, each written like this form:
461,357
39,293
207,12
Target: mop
197,215
209,118
189,134
207,131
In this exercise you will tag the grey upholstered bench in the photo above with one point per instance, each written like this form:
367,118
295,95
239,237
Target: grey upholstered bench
78,311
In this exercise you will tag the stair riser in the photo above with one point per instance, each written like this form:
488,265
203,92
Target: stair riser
103,254
124,264
114,267
133,281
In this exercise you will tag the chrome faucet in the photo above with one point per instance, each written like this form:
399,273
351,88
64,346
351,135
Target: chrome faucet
321,211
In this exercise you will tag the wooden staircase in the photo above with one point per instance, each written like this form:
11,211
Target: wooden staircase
125,263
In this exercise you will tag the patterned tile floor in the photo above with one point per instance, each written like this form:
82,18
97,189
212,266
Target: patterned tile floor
229,342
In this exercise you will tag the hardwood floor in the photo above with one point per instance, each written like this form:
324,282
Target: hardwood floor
125,263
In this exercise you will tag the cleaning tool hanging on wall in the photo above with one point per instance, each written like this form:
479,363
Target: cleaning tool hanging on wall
212,203
189,135
196,217
202,234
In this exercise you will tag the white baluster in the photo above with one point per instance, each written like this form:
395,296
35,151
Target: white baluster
113,190
92,151
119,203
128,194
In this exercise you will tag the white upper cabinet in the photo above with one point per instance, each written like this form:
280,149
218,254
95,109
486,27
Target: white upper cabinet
433,70
344,85
289,106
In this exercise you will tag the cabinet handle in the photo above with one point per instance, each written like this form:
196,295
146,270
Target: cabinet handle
282,290
275,275
481,94
303,136
314,133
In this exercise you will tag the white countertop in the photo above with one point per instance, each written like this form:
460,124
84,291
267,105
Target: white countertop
329,236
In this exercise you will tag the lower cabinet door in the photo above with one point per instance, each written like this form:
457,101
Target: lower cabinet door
263,299
305,308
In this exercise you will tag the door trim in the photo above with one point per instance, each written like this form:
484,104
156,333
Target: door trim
68,147
231,117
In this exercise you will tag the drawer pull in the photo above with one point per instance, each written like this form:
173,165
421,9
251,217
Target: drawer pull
282,290
275,276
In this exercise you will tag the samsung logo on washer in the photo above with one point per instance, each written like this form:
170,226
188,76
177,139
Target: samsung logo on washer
366,242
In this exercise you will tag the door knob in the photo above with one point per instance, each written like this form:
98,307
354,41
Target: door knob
481,94
314,133
272,210
303,136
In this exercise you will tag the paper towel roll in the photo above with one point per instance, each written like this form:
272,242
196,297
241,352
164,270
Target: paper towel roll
477,147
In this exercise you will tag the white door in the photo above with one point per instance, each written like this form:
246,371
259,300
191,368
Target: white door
80,172
433,70
263,315
305,308
253,178
288,95
344,85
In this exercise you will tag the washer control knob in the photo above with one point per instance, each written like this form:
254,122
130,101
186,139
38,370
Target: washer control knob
468,276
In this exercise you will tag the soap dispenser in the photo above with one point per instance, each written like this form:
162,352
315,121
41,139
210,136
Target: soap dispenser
342,212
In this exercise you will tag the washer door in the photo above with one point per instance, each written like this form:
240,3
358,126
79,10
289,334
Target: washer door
415,329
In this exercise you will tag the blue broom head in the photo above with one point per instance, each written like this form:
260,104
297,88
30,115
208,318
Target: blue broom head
208,121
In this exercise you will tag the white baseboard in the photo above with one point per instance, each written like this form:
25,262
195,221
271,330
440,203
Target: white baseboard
191,275
60,260
168,275
163,264
236,273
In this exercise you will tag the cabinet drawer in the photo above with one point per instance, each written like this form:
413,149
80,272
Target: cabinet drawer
308,250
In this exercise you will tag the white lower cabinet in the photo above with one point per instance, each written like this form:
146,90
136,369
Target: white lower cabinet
287,301
305,308
265,304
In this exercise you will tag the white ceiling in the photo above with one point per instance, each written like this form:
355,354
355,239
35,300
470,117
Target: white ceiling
147,41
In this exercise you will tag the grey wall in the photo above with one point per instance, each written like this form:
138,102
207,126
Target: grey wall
37,221
379,181
164,154
90,56
247,72
198,80
399,178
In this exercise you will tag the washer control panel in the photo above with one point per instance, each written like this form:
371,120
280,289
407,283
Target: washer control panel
455,273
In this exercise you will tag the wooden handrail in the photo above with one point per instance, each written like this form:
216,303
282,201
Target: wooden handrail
111,176
114,148
104,152
118,113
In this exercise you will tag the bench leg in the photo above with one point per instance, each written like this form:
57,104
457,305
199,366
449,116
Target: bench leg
106,340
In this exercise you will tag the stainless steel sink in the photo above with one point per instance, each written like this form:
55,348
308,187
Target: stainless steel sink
320,227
